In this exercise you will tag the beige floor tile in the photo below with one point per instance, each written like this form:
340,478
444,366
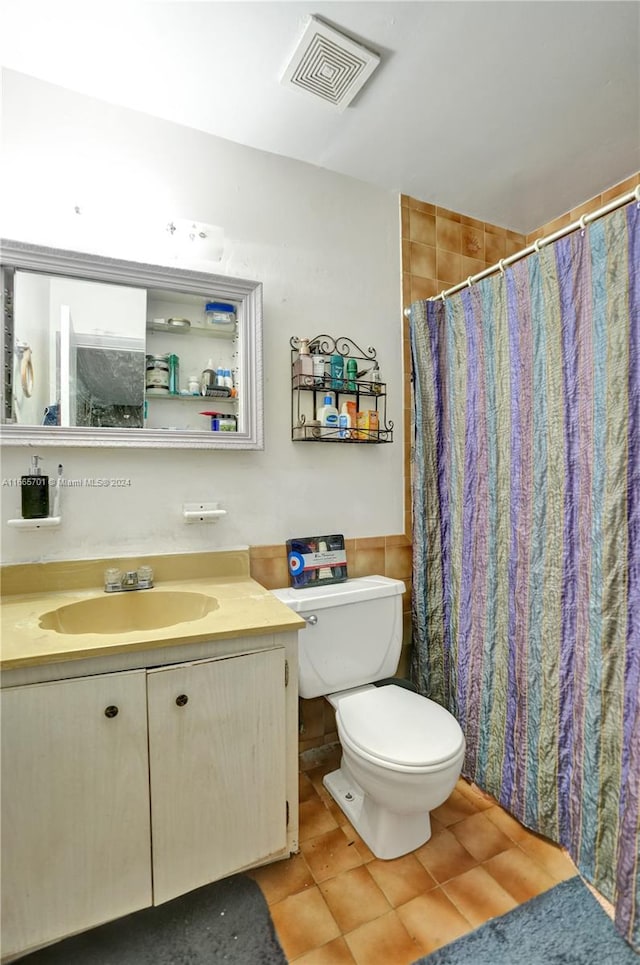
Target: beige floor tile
401,879
444,857
334,953
478,896
283,878
519,874
329,854
303,922
553,859
354,898
433,920
384,941
353,837
478,798
481,837
507,824
315,819
306,790
455,808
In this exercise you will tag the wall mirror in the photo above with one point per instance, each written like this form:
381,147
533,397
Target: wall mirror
102,352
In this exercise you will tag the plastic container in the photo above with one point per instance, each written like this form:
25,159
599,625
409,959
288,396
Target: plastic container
217,314
34,491
303,365
328,414
337,372
352,375
317,362
344,421
208,377
174,375
157,373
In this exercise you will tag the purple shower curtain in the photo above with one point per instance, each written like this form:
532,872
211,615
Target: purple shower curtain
526,500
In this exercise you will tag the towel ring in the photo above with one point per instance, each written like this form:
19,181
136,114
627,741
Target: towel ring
26,373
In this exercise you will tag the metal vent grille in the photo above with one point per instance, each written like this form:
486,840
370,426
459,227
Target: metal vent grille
329,65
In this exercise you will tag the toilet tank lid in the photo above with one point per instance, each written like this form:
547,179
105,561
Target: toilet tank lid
357,590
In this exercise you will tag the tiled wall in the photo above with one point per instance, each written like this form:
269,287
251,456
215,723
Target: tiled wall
599,201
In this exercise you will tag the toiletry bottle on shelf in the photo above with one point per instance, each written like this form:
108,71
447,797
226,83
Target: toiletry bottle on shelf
328,416
337,372
174,375
344,422
34,490
303,365
352,375
208,377
376,381
318,369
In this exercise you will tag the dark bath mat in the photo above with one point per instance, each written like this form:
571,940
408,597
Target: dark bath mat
562,926
226,922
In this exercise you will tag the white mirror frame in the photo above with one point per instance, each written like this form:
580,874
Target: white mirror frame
246,294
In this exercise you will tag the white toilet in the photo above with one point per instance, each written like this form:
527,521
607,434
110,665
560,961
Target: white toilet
401,752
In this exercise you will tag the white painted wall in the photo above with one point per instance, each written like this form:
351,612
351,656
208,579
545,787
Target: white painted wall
325,246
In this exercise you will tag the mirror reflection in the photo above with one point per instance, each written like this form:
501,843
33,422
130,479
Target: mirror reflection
79,357
98,355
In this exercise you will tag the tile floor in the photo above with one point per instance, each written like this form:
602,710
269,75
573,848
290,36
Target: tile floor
334,903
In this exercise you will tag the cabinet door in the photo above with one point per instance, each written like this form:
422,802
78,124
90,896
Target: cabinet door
217,764
75,806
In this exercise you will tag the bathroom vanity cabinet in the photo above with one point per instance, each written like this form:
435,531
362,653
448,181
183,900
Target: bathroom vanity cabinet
130,779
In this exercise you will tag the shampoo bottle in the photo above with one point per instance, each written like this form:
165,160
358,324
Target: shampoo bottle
35,492
328,414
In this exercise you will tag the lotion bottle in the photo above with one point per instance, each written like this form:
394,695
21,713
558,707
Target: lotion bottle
328,414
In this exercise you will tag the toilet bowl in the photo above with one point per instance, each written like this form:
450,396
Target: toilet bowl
402,753
401,757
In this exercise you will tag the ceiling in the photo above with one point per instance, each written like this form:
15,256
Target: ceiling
510,112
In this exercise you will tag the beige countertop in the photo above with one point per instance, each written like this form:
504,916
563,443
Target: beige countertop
245,608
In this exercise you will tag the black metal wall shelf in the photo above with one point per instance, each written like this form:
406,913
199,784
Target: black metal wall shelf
309,389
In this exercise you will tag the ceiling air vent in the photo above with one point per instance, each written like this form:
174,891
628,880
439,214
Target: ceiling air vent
329,65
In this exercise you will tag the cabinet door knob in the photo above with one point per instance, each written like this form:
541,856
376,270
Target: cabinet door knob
111,711
181,700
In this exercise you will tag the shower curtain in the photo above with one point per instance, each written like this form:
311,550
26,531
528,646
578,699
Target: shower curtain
526,506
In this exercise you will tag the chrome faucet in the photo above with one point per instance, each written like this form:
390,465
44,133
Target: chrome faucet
116,581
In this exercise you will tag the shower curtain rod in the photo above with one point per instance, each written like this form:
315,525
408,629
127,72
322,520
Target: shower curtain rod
537,245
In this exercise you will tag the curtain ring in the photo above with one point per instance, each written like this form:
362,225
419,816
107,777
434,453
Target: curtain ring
470,281
536,244
26,373
501,265
637,194
582,224
442,294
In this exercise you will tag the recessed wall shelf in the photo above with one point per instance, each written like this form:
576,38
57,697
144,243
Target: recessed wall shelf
312,381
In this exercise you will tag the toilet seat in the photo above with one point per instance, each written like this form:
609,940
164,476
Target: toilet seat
399,729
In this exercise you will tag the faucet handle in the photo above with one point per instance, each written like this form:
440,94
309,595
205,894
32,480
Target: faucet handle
145,576
112,577
130,578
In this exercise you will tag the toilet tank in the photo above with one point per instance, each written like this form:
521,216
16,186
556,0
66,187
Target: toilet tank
356,636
